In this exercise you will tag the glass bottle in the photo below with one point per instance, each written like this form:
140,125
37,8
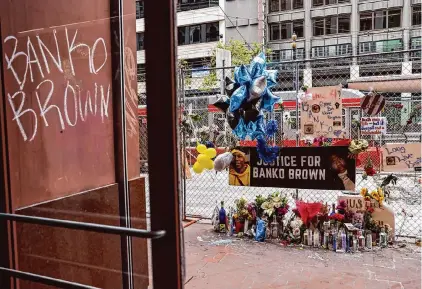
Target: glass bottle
305,237
383,238
354,244
222,218
369,240
317,238
361,240
310,237
334,240
326,238
274,228
343,241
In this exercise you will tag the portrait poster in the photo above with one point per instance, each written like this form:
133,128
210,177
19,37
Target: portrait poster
405,157
324,168
322,114
373,125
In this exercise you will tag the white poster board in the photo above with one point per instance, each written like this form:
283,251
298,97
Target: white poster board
373,125
322,115
401,157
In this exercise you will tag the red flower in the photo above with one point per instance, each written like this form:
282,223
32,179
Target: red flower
296,212
370,171
337,217
370,210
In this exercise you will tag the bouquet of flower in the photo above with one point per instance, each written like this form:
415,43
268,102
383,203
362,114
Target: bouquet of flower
376,195
322,142
275,204
358,146
241,213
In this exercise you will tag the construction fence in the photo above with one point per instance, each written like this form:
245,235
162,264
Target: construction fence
199,89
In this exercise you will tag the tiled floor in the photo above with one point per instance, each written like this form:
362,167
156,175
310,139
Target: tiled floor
217,262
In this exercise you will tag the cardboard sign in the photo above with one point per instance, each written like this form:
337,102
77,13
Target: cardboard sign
401,157
322,115
326,168
355,203
373,125
384,216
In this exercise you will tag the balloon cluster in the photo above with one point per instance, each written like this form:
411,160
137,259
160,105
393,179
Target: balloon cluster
204,159
248,96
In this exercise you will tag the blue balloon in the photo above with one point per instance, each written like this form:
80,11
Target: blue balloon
271,77
238,96
241,75
268,101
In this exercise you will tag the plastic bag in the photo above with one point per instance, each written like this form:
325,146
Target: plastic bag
260,230
222,161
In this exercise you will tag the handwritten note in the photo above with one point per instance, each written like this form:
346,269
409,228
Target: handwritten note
401,157
373,125
321,115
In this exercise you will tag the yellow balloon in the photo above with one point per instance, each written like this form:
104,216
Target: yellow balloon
211,153
202,158
197,168
209,165
201,148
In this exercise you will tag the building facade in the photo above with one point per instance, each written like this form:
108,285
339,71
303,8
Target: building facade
200,26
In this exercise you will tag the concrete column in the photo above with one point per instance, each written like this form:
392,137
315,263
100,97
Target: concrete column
405,97
407,23
308,30
354,28
307,77
354,72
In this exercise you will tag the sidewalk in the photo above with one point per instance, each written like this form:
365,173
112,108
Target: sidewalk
217,262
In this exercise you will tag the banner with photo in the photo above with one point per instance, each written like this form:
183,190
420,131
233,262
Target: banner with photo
324,168
322,115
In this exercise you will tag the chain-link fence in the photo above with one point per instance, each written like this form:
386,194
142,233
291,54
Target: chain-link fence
200,90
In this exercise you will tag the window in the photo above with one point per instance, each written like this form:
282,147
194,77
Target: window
285,5
381,46
297,4
284,30
139,41
344,49
287,54
416,15
365,47
212,32
331,25
381,19
365,21
298,28
318,51
318,24
332,50
343,24
139,9
194,34
275,32
201,33
274,5
316,3
394,18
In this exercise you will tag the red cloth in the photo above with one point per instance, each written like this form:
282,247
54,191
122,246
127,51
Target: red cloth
308,210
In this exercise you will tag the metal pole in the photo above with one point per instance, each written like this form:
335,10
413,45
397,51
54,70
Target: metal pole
296,83
182,106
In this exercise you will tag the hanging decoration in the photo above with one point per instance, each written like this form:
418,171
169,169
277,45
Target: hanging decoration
248,96
372,103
